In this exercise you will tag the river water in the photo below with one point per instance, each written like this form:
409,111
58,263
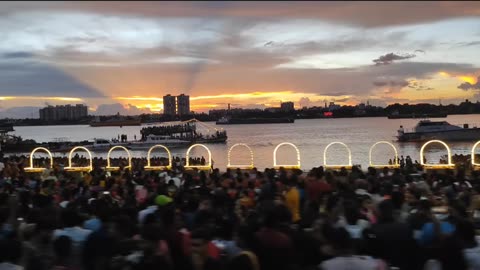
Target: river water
310,136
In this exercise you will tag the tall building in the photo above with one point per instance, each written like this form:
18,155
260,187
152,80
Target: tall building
183,105
63,112
169,105
287,106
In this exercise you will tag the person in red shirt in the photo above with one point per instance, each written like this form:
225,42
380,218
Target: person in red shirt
317,187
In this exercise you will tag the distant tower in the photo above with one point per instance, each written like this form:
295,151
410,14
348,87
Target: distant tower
169,106
183,105
229,106
368,103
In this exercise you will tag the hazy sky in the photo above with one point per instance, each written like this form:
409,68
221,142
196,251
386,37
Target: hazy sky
250,54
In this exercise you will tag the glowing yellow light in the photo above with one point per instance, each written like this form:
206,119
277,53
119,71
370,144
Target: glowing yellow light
443,73
33,169
276,166
149,167
395,163
79,169
200,167
229,165
468,79
450,165
110,168
474,164
347,166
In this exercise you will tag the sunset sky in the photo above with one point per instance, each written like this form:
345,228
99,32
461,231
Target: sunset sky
126,55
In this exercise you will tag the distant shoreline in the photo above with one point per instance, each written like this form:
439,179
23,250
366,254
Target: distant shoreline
149,122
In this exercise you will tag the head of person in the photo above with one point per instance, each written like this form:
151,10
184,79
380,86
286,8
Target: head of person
386,212
62,247
199,239
70,218
341,241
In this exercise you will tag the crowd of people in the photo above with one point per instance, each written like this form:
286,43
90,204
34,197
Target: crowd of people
238,219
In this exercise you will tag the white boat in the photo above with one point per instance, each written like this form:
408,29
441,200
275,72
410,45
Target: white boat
152,140
103,144
438,130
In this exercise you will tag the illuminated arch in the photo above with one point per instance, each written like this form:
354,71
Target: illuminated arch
347,166
149,167
110,168
200,167
250,166
276,166
450,165
474,164
79,169
395,162
33,169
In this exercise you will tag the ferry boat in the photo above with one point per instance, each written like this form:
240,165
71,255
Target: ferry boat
438,130
151,140
186,131
233,121
116,121
396,115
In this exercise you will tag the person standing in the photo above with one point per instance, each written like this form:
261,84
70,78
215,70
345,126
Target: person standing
292,200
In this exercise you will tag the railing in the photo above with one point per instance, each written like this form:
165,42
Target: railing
208,166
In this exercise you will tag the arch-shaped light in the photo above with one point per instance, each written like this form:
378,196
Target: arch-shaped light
110,168
33,169
347,166
286,166
474,164
250,166
149,167
200,167
450,165
395,162
79,169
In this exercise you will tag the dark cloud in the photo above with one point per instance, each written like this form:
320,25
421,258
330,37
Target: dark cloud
34,79
467,44
390,57
468,86
20,112
342,100
378,14
420,51
13,55
419,86
391,82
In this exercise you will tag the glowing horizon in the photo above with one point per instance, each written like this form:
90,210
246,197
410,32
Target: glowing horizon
121,56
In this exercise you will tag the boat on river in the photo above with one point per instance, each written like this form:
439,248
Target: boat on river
187,131
416,115
426,130
236,121
116,121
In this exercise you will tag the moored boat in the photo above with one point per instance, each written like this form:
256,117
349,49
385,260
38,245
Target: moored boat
438,130
116,121
237,121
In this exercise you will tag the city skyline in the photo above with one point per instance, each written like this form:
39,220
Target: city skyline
113,55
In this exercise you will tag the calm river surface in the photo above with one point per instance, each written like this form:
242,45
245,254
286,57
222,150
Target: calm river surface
310,136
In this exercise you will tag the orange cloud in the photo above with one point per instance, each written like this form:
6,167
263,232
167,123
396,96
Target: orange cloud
464,78
201,103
